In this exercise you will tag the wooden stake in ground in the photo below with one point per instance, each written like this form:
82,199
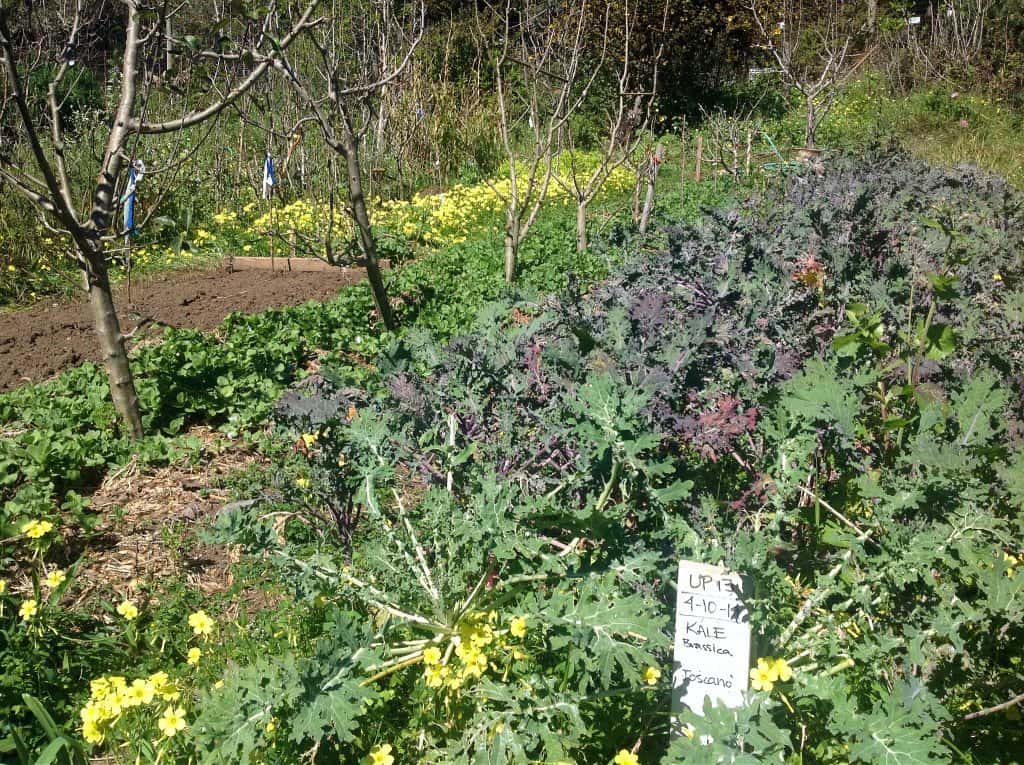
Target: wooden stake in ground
750,151
682,159
700,157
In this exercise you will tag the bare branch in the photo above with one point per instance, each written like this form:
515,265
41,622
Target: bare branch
240,89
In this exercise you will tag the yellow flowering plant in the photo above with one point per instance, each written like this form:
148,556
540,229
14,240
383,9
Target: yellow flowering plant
119,709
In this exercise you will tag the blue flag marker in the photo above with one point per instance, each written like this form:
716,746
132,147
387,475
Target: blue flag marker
269,179
129,202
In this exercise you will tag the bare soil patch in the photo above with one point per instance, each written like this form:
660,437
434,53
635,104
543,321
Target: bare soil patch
42,341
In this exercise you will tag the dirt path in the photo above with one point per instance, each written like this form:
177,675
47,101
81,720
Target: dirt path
39,342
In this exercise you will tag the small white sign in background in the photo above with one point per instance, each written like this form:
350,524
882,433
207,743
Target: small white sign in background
712,643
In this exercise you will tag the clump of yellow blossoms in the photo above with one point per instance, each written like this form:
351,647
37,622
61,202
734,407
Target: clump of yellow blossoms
468,654
36,529
128,610
436,219
768,672
111,696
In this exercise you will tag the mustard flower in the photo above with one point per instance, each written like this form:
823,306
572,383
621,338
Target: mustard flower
172,721
517,627
128,610
783,670
28,609
138,693
763,676
36,529
200,623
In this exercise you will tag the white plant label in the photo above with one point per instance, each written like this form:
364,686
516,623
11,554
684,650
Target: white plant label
712,645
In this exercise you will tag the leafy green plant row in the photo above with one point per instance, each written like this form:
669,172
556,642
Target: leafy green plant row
63,434
820,388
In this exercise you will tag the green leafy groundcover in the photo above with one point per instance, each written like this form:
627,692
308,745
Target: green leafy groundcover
63,435
821,388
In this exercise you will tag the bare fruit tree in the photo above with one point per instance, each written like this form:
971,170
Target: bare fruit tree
629,115
539,85
37,166
811,42
357,55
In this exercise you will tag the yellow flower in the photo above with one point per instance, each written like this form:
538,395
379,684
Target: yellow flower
652,675
100,688
194,654
172,721
140,692
435,675
626,757
54,578
218,685
783,670
271,725
200,623
36,529
517,627
763,676
128,610
432,655
309,438
162,685
91,733
381,755
28,609
1012,561
3,586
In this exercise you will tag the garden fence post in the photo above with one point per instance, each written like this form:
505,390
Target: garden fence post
700,157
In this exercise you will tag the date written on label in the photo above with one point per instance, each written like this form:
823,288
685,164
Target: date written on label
712,641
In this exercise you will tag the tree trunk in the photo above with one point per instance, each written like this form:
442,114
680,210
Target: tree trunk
581,225
511,244
811,127
366,241
645,216
108,330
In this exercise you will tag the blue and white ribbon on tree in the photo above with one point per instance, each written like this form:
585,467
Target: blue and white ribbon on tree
269,179
135,172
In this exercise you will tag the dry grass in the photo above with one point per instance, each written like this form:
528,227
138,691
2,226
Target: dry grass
149,517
